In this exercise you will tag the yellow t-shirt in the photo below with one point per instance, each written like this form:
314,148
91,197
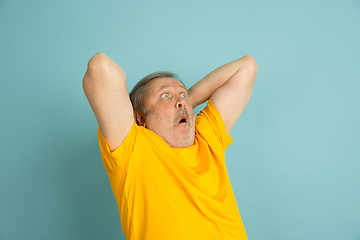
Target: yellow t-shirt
166,193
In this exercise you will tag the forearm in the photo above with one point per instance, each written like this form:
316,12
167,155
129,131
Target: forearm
203,89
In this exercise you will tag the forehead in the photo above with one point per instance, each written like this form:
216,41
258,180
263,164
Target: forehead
165,82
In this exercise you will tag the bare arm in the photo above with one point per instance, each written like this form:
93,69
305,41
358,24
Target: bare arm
104,85
229,86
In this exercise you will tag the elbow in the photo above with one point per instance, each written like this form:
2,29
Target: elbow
98,61
251,65
101,66
250,61
95,67
102,70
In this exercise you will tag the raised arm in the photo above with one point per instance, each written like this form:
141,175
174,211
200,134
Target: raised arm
104,85
229,86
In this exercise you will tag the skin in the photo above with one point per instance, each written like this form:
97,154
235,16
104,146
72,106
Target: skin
168,103
229,86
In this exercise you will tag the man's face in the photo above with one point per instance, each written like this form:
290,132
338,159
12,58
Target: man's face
170,115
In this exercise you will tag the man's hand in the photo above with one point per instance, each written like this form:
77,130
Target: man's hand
229,86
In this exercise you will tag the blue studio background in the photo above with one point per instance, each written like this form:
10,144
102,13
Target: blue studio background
294,164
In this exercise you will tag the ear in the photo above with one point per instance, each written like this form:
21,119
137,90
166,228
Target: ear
139,118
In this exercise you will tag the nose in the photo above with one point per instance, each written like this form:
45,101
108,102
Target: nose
180,105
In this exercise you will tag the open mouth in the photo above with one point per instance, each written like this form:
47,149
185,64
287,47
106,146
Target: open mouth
182,117
183,120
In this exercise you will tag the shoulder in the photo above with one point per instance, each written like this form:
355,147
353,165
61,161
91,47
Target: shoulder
123,151
210,123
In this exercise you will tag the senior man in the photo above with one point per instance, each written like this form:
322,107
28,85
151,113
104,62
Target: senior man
167,167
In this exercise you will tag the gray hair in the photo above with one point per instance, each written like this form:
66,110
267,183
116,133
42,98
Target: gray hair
138,93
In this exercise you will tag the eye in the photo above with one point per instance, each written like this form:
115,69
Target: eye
165,95
183,95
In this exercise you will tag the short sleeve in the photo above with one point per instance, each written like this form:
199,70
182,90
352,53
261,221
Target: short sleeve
116,161
210,118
